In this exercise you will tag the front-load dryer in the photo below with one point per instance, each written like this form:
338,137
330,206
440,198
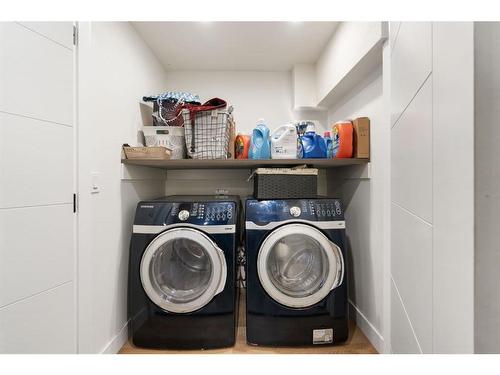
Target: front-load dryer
182,273
296,272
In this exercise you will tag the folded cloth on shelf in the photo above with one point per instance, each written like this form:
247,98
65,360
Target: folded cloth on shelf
214,103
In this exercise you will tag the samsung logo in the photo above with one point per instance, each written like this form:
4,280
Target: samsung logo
150,206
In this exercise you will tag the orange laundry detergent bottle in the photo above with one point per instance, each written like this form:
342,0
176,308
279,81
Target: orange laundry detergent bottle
242,145
342,133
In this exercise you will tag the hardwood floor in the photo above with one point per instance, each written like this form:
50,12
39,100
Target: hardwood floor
356,344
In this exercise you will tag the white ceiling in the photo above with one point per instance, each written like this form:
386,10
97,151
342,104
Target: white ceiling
235,45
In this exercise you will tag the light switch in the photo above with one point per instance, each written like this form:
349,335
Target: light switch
96,182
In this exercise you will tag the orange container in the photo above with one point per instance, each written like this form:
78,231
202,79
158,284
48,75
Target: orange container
242,145
342,137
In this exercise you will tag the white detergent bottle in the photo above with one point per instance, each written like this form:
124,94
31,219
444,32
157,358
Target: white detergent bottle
284,142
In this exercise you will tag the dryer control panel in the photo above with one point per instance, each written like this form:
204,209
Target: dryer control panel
205,212
197,213
321,209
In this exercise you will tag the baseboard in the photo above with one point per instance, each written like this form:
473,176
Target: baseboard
117,342
367,328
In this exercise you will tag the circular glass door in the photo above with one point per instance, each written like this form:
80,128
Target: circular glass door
298,266
182,270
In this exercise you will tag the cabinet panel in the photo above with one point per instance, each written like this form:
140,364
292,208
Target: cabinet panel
30,246
412,152
36,75
60,32
411,268
411,63
36,162
453,175
44,323
402,338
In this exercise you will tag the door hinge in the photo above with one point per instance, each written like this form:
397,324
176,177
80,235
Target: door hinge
75,35
74,202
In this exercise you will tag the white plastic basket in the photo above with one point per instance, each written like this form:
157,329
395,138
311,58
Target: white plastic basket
171,137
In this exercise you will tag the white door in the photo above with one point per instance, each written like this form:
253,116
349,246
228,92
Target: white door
37,222
298,265
182,270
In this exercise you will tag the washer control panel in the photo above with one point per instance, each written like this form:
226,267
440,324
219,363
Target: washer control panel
218,212
325,209
197,213
204,212
321,209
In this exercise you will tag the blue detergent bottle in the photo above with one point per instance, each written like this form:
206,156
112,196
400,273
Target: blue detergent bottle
313,145
260,144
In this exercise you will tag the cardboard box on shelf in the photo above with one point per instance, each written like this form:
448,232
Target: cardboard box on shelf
361,139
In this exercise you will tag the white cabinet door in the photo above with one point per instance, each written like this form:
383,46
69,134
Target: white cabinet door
411,64
37,222
411,148
36,75
411,268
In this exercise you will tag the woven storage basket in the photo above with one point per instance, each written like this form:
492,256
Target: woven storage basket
152,153
285,183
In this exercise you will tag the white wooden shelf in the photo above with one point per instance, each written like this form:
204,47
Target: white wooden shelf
241,164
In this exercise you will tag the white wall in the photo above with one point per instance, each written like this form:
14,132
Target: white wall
116,70
364,200
304,85
487,187
350,42
254,95
432,187
37,223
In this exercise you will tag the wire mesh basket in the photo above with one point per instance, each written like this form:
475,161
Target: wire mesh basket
208,133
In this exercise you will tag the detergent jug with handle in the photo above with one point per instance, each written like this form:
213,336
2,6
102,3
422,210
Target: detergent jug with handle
242,146
342,133
260,147
284,142
313,145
